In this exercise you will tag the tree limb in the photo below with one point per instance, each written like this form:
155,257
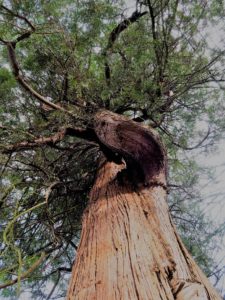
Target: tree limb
51,140
54,286
11,46
121,27
22,81
114,36
16,15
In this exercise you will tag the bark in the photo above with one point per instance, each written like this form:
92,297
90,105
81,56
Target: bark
129,246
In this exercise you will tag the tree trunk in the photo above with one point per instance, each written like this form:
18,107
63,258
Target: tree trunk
129,246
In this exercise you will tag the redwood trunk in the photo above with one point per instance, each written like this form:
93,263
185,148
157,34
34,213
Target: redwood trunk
129,246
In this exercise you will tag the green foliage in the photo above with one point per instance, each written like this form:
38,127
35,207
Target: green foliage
44,189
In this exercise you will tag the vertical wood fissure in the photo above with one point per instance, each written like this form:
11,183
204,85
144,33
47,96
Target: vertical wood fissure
129,250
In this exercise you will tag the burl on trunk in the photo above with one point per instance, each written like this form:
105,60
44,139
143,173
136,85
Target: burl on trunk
129,246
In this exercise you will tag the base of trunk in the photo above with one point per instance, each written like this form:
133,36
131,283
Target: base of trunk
130,249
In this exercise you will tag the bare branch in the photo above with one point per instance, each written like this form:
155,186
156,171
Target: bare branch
54,286
36,143
51,140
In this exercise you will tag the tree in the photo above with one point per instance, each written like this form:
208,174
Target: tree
83,79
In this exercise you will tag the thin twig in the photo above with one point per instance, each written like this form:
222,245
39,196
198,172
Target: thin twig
25,274
16,15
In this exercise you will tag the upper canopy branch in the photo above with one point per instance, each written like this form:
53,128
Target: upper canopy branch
16,15
114,36
11,46
20,79
121,27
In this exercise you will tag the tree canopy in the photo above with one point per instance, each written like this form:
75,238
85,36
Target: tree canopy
61,62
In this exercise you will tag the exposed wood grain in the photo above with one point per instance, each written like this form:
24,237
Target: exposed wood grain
129,247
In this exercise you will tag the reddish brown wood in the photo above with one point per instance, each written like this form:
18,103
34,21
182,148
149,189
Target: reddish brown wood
129,246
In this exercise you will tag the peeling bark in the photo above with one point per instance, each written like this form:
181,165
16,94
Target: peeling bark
129,246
